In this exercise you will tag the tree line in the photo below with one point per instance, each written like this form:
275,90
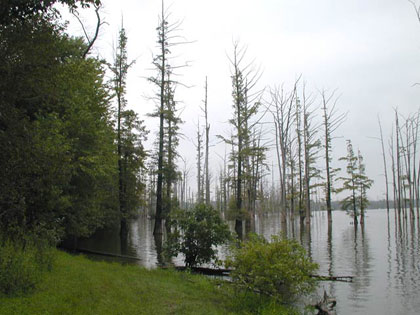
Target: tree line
72,160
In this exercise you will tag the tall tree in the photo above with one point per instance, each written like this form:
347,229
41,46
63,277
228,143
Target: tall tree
350,182
356,182
171,142
206,154
199,147
245,108
385,166
363,183
311,146
282,111
165,100
332,120
119,69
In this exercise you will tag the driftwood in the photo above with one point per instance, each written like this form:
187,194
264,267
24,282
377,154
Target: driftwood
326,305
226,272
206,271
333,278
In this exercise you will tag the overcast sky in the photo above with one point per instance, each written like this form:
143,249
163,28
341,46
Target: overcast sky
369,50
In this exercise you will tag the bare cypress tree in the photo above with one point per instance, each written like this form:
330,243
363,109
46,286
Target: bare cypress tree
281,105
398,160
385,166
332,120
311,147
416,168
394,178
206,156
199,148
298,122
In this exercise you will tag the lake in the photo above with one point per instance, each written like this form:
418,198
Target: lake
383,257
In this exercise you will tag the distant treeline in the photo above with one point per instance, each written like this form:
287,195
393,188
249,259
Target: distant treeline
373,204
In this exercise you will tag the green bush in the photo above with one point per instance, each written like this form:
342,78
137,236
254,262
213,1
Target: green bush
196,233
279,268
22,263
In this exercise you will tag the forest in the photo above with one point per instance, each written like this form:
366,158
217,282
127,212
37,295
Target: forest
77,159
74,158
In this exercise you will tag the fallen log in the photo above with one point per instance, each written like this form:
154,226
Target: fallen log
206,271
226,272
333,278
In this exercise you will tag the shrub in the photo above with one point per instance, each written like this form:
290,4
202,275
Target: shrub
279,268
196,234
22,263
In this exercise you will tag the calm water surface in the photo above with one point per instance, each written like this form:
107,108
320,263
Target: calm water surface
383,257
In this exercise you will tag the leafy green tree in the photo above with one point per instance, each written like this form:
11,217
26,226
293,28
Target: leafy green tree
280,268
23,9
196,234
130,134
133,155
171,142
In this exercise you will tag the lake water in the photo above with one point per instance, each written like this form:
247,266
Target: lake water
383,257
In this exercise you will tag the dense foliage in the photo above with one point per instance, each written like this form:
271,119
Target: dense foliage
22,9
196,234
58,154
279,268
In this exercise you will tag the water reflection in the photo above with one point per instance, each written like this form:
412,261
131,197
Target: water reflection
383,256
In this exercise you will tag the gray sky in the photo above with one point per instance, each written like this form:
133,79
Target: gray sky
369,50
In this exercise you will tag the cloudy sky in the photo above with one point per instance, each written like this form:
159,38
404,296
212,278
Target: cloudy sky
369,50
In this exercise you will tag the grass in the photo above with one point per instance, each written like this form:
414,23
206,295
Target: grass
77,285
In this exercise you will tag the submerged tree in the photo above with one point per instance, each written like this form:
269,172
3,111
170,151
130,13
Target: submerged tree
356,182
311,146
206,152
198,233
363,183
332,120
350,182
245,108
282,110
385,166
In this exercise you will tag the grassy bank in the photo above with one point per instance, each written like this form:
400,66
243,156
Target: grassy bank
77,285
